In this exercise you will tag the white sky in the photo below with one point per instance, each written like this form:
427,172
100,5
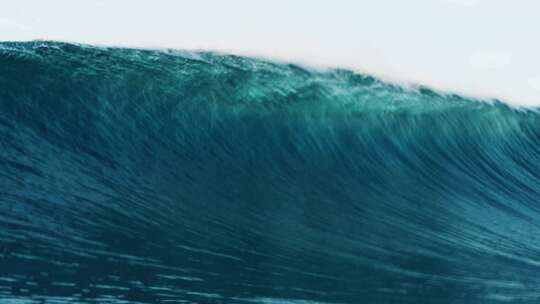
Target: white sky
479,47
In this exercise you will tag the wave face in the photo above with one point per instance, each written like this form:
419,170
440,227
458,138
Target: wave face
169,177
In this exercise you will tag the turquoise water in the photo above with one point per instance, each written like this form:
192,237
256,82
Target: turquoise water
140,176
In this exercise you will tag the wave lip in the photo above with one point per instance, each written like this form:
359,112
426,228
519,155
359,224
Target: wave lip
148,176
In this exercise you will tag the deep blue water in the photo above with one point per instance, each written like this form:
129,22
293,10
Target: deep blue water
140,176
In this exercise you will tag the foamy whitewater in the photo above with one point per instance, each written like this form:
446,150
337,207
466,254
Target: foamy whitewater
140,176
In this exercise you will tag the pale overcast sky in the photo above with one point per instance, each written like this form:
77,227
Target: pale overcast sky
478,47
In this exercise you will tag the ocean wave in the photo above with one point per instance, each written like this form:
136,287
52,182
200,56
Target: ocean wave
153,176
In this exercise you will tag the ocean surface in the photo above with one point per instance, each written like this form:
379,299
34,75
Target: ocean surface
144,176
